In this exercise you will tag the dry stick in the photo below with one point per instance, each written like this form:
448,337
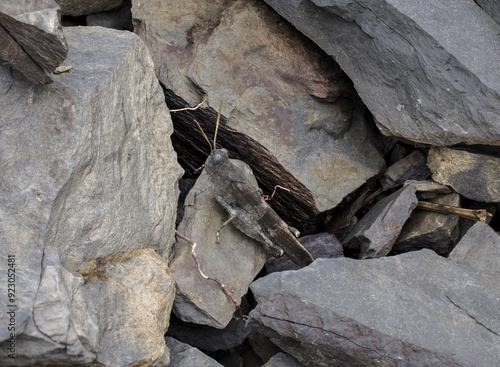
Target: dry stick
224,288
267,197
474,214
189,108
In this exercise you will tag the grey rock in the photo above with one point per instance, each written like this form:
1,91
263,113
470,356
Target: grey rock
84,179
184,355
235,261
428,189
414,309
428,71
283,360
479,248
411,167
475,176
208,338
277,87
424,229
31,38
491,7
375,234
119,18
322,245
79,7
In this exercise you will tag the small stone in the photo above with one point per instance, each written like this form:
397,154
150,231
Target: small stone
184,355
375,233
411,167
475,176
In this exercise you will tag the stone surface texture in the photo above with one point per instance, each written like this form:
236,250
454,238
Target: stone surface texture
88,200
480,249
78,7
184,355
375,233
414,309
283,360
235,261
475,176
411,167
277,87
491,7
31,38
425,229
429,71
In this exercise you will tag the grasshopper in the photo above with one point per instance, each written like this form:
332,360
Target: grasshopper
249,212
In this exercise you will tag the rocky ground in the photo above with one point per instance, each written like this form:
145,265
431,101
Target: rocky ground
371,128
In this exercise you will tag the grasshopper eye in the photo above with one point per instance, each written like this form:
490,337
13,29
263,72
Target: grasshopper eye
217,158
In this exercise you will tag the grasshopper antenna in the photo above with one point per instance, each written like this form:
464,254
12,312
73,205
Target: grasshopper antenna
217,126
208,141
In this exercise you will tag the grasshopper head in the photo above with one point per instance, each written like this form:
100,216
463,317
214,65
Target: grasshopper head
216,159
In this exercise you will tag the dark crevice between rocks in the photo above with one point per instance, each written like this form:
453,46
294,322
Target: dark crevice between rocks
293,207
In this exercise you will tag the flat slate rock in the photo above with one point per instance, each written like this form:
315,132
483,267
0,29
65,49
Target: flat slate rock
475,176
184,355
414,309
375,233
429,71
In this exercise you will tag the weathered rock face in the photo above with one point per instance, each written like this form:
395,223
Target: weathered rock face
277,87
475,176
415,309
184,355
428,71
78,7
31,38
491,7
425,229
375,234
235,261
88,186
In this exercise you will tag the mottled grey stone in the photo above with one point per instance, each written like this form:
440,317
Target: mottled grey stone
375,234
184,355
492,7
235,261
277,87
84,7
425,229
429,71
414,309
411,167
321,245
475,176
87,197
283,360
480,249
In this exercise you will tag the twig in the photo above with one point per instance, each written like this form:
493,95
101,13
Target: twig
473,214
189,108
267,197
224,288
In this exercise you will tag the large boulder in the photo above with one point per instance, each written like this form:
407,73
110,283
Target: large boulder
87,206
414,309
277,87
429,71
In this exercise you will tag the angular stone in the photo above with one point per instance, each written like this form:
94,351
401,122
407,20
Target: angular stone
411,167
118,18
415,309
491,7
277,87
321,245
31,38
88,169
184,355
78,7
375,234
429,71
428,189
283,360
424,229
208,338
475,176
235,261
479,248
